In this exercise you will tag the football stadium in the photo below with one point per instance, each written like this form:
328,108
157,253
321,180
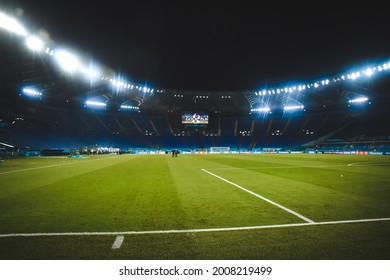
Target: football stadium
96,166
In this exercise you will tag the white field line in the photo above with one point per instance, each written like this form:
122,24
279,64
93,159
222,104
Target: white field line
49,166
50,157
282,167
34,168
118,242
364,163
41,234
262,197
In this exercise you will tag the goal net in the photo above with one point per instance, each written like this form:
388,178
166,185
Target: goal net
219,150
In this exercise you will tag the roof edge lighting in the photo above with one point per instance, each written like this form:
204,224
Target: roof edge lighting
293,107
261,109
12,25
95,103
358,100
31,92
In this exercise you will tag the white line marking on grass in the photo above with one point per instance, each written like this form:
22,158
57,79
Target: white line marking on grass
49,166
40,234
34,168
261,197
50,157
118,242
280,167
365,163
359,163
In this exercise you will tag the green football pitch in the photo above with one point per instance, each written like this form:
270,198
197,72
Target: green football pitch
231,206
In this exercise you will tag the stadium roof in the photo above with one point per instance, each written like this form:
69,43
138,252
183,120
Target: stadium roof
20,67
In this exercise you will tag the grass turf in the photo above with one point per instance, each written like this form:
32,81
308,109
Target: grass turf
157,192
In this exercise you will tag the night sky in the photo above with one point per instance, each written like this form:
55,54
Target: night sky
199,45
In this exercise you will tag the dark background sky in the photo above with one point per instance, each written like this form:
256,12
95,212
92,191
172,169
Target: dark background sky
207,45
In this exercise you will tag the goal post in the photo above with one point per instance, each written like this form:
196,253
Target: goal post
219,150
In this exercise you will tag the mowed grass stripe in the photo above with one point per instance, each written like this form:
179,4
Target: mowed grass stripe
46,171
120,234
352,241
269,161
261,197
328,193
126,193
318,201
129,194
109,201
208,203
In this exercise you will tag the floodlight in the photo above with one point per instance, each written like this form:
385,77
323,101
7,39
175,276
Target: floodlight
31,91
128,107
358,100
96,104
369,72
34,43
91,72
261,110
12,25
292,107
67,61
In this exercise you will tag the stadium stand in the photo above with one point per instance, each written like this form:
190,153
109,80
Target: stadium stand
40,126
60,115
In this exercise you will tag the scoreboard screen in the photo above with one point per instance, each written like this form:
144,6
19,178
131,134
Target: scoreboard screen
195,118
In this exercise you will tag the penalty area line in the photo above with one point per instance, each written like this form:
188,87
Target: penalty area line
261,197
122,233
